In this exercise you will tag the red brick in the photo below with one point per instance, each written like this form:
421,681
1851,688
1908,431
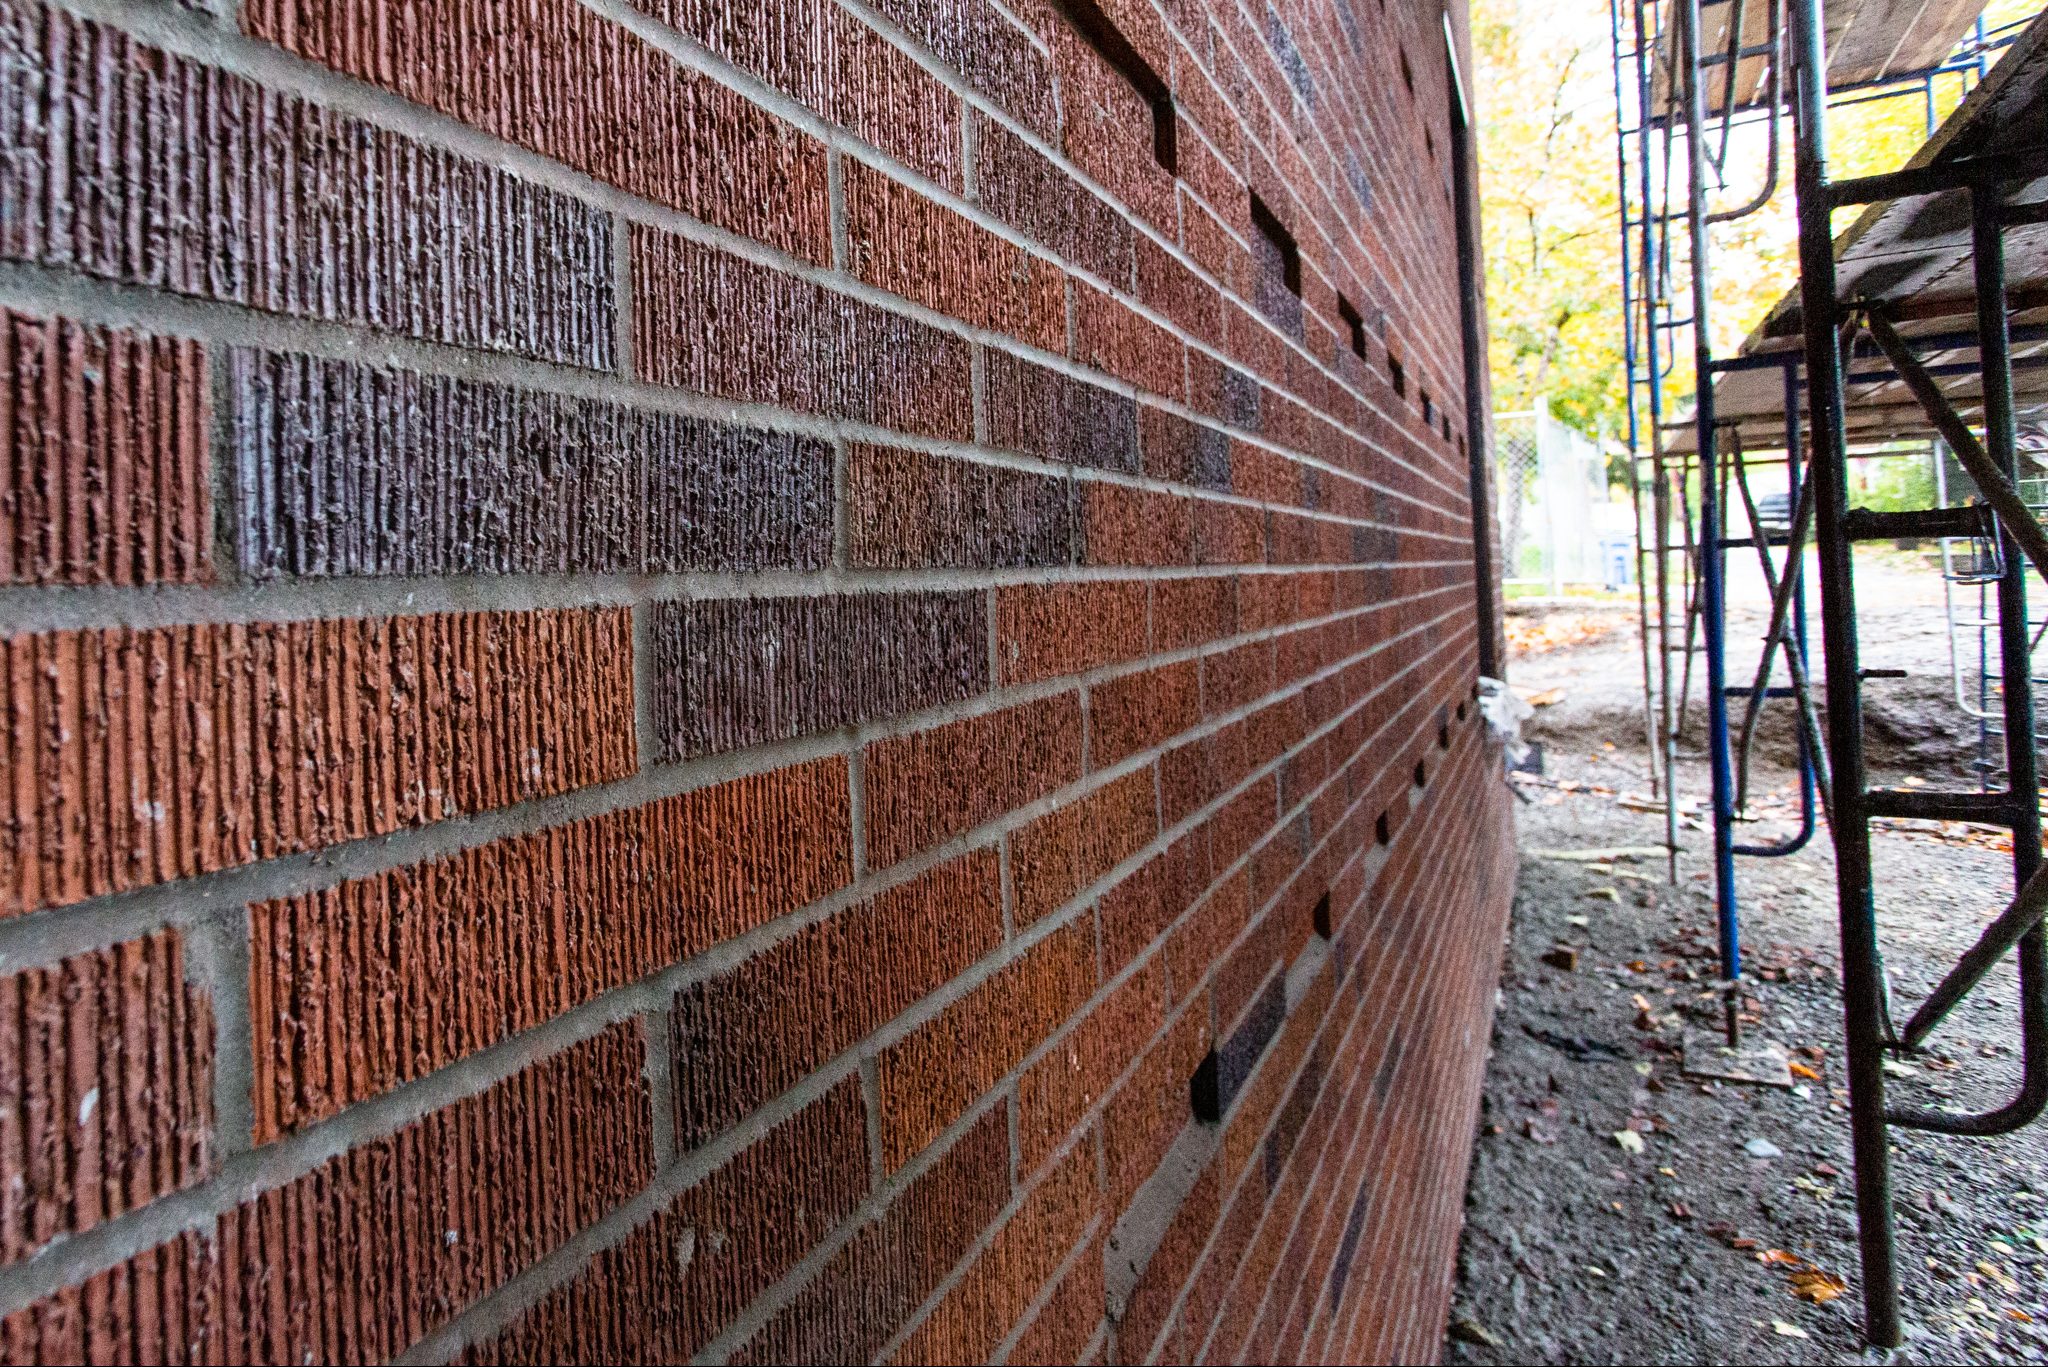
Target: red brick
1140,908
662,1292
1046,630
105,477
982,1307
884,1272
1060,1089
556,78
1149,1110
743,1037
106,1063
1151,1298
931,1077
929,786
1070,847
1065,1324
900,241
373,1250
1135,712
1193,611
790,342
1113,337
349,985
229,743
909,510
1142,527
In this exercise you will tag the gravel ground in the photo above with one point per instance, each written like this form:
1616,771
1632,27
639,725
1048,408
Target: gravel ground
1578,1249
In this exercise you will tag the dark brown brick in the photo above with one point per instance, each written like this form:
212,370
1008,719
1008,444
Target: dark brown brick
747,1035
105,477
910,510
1057,417
789,342
332,218
734,672
1034,196
106,1073
988,49
343,469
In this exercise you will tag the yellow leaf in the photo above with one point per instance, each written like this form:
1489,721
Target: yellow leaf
1801,1070
1816,1287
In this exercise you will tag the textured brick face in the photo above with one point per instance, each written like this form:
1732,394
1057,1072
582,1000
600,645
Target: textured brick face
229,743
106,1074
687,680
786,341
106,478
348,985
343,470
932,785
738,672
335,219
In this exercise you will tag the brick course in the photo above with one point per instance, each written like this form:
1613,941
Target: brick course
681,667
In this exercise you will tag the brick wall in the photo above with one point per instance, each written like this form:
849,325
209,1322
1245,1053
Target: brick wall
767,681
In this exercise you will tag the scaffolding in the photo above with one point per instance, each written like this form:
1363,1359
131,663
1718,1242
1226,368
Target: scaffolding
1924,322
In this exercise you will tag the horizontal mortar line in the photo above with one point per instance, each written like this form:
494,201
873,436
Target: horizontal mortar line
44,290
1022,1191
1356,1021
32,608
48,934
952,79
191,36
1335,211
1036,1307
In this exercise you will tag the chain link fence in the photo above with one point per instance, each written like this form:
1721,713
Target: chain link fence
1555,527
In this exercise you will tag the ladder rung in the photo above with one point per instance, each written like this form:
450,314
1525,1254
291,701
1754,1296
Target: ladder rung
1933,805
1916,524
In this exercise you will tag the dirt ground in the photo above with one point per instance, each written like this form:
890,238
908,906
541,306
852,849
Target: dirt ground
1579,1249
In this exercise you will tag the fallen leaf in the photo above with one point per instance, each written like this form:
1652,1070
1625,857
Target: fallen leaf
2022,1316
1545,698
1680,1211
1816,1287
1801,1070
1777,1257
1629,1141
1789,1331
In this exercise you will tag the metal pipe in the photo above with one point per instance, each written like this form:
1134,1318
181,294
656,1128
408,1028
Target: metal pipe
1862,977
1660,491
1770,186
1628,351
1712,558
2022,765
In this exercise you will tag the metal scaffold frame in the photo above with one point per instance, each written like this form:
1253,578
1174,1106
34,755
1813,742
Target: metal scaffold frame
1672,161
